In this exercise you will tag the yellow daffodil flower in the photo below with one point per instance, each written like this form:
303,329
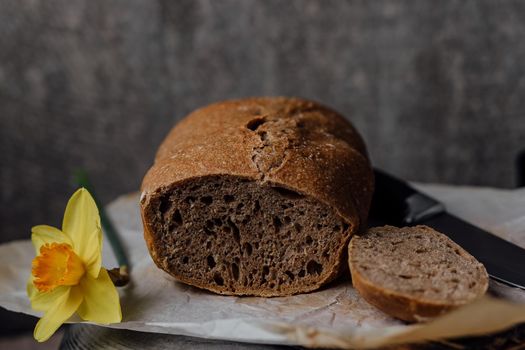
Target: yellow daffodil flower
67,275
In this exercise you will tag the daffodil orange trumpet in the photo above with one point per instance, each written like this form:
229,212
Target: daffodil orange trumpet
67,275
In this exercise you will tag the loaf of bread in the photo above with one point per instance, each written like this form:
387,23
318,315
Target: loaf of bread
414,273
257,196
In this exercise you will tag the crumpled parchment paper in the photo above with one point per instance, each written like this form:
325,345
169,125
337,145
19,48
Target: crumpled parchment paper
335,316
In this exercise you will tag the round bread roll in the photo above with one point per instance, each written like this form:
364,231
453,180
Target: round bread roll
256,196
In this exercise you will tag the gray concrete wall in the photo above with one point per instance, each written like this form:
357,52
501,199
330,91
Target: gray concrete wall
436,88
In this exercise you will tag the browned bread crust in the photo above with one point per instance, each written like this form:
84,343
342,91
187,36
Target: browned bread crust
250,147
414,273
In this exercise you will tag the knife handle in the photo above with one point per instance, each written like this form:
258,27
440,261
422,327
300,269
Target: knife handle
397,203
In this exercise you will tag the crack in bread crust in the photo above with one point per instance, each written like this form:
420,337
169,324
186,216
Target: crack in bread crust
281,131
275,140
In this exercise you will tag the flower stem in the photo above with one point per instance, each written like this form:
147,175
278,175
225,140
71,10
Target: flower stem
119,276
82,180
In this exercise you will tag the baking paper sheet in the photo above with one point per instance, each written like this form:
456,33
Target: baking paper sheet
333,317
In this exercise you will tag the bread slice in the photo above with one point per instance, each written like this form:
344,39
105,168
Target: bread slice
257,196
414,273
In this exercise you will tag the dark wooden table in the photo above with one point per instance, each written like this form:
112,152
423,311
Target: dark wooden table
80,336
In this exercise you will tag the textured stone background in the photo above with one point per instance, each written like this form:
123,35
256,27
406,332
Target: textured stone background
437,89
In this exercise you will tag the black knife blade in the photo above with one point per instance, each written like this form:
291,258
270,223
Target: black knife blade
397,203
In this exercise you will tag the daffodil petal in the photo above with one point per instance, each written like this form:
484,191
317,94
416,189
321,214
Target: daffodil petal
101,302
43,234
42,301
61,309
81,220
93,254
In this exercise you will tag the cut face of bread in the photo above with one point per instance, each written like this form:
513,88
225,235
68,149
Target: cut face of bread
234,236
414,273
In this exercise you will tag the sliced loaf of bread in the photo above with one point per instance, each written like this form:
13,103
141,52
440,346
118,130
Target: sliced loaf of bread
414,273
257,196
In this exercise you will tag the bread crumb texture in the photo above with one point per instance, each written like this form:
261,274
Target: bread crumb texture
416,264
